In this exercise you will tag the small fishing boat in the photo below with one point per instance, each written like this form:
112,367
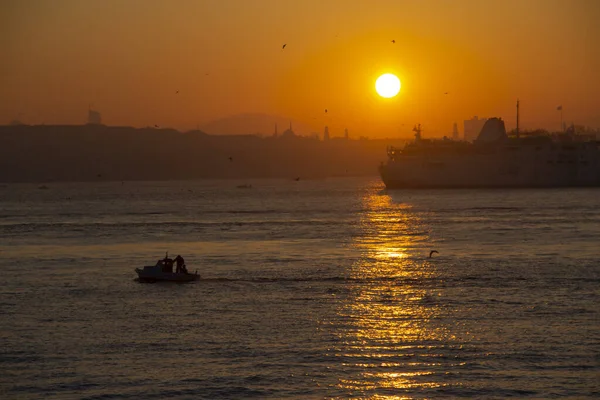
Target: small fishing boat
163,272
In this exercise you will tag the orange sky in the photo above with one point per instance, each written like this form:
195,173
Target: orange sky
129,57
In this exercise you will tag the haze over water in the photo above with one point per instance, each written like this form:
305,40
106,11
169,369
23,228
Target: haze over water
311,289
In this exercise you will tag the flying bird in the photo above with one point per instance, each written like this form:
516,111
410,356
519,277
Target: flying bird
393,41
445,92
177,92
432,251
325,111
283,47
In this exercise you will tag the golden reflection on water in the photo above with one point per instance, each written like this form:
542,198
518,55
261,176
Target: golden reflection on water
391,335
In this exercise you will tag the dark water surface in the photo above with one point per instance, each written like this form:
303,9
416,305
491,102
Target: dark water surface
311,289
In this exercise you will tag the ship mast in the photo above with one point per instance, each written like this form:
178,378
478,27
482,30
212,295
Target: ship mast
517,118
417,129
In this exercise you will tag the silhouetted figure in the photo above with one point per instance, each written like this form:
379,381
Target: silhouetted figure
180,264
283,47
432,251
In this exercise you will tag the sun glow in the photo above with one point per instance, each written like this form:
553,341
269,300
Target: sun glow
387,85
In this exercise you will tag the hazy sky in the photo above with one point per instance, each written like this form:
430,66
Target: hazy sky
129,57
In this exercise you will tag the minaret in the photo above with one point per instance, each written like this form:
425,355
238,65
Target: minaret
517,118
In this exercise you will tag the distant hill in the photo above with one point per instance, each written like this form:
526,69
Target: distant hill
250,124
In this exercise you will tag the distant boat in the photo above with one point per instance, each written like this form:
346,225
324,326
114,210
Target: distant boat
163,272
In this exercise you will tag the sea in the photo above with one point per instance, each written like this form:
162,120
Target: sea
310,289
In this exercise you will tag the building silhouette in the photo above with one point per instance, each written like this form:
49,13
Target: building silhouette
472,127
455,131
288,132
94,117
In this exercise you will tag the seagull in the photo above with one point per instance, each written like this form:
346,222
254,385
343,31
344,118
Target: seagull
156,126
393,41
283,47
177,92
445,92
433,251
325,111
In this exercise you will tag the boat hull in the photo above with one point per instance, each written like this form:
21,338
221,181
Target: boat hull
152,276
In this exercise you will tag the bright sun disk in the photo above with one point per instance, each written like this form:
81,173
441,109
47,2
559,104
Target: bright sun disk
387,85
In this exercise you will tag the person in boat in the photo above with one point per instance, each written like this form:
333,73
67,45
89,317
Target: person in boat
180,265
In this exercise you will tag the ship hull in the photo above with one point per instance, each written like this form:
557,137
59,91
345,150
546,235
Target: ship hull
530,169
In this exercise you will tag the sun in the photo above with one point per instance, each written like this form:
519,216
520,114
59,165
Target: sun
387,85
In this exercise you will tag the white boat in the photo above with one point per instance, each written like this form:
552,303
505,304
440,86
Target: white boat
163,272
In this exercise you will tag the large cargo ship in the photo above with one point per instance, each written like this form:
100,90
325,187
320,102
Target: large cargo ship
494,159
